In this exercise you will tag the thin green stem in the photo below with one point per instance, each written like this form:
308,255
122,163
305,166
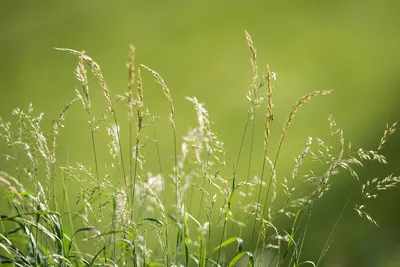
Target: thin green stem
228,208
324,250
163,199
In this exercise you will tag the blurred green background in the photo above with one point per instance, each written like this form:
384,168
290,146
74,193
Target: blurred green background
349,47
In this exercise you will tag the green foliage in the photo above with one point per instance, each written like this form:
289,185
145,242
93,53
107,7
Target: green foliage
125,215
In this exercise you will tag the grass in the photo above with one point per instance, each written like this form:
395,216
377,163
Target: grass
123,215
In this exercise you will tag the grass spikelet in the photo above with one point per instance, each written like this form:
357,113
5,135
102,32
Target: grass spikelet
95,70
140,95
268,120
253,60
270,76
167,93
139,126
371,188
131,80
388,132
270,106
99,75
178,200
293,112
12,185
56,125
323,183
33,141
81,76
340,155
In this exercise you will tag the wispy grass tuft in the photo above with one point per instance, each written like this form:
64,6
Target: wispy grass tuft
219,216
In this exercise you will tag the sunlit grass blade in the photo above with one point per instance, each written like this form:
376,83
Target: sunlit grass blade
240,256
107,245
229,241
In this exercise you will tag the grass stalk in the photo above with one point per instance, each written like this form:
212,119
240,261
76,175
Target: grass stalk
131,79
167,94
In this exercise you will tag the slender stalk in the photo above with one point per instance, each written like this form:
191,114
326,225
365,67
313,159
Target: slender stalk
228,209
164,199
285,128
139,127
323,252
167,94
131,79
268,120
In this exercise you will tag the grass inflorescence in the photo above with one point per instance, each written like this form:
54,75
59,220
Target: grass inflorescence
123,215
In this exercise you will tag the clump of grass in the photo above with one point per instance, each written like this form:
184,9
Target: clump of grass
125,219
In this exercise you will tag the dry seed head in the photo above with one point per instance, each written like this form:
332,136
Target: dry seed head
389,131
362,213
339,157
270,94
56,125
296,108
160,81
167,93
323,183
274,184
253,59
114,148
95,70
270,115
139,91
11,184
299,160
139,109
121,210
131,79
203,132
81,75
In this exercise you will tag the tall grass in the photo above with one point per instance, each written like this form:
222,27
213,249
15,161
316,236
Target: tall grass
122,216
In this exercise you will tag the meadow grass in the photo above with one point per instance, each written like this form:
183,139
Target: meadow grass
123,215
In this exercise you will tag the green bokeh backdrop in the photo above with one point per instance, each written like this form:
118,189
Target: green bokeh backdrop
349,47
